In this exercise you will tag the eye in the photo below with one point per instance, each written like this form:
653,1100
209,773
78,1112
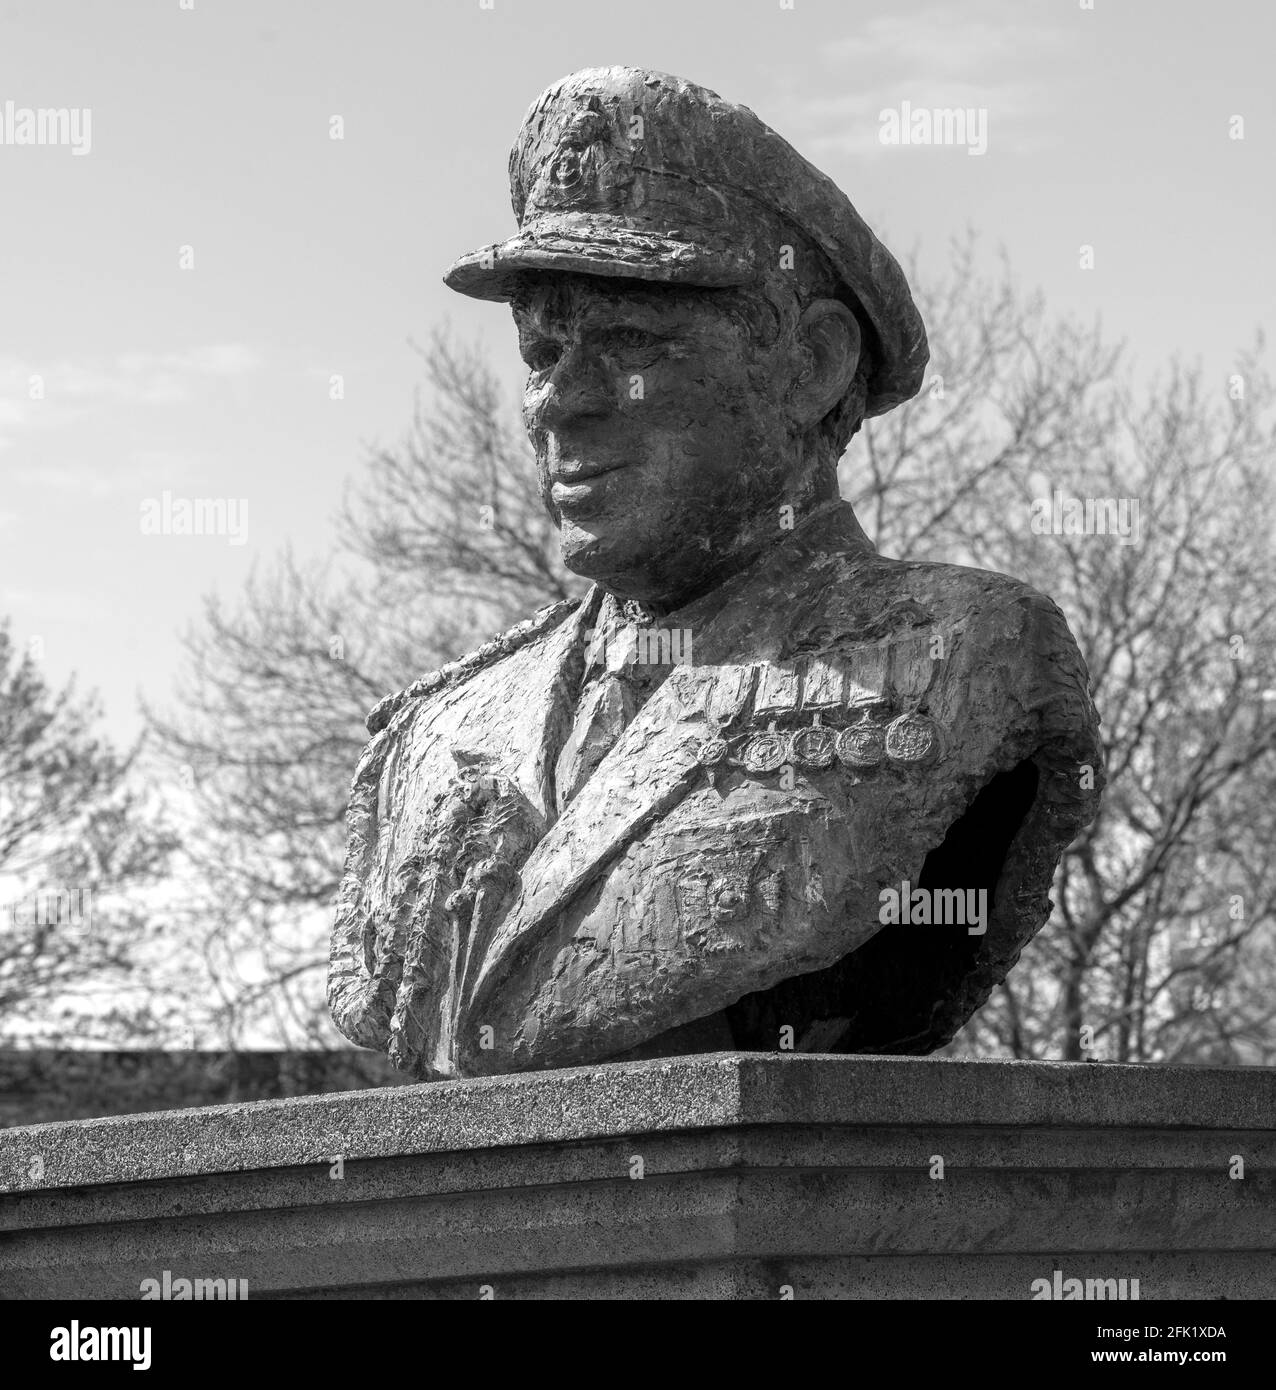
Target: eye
630,339
540,356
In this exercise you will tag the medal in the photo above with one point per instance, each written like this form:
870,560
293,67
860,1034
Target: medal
862,745
913,739
711,751
766,752
814,747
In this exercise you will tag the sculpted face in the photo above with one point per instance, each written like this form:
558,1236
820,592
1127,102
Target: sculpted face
664,425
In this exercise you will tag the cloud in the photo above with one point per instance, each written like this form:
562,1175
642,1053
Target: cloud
143,378
86,382
218,359
980,56
939,40
144,472
129,376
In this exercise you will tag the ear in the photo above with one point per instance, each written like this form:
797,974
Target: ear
828,337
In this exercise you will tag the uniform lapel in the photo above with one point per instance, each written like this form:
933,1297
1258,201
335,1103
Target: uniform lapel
646,773
422,746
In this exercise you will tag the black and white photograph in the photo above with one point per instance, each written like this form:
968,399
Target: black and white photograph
637,663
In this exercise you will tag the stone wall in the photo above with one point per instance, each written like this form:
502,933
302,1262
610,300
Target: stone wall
728,1175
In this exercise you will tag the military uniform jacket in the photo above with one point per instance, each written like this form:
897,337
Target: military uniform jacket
842,728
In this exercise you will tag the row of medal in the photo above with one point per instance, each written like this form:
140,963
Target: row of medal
841,686
910,740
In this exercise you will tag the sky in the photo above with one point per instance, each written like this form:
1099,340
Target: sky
182,279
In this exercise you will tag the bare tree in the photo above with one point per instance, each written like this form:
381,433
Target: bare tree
76,842
443,542
454,511
1159,948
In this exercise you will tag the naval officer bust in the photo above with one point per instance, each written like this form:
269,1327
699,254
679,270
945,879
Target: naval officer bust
574,845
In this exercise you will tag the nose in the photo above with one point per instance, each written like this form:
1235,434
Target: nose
578,388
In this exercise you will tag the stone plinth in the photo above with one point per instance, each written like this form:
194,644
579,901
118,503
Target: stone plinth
725,1175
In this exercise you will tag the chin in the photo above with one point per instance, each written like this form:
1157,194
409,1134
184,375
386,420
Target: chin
587,544
610,559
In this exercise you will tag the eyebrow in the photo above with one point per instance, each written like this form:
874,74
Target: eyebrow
540,304
531,320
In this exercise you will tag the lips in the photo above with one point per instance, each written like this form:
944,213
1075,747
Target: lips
584,490
570,474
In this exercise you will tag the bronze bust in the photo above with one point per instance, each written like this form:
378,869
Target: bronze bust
673,816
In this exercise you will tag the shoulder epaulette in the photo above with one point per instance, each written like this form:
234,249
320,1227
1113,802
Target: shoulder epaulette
503,644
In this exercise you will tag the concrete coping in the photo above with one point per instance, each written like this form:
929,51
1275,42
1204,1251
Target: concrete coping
708,1091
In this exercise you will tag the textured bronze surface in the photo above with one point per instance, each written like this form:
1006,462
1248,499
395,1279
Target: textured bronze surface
560,854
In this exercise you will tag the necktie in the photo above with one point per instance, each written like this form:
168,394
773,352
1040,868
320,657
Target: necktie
614,690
